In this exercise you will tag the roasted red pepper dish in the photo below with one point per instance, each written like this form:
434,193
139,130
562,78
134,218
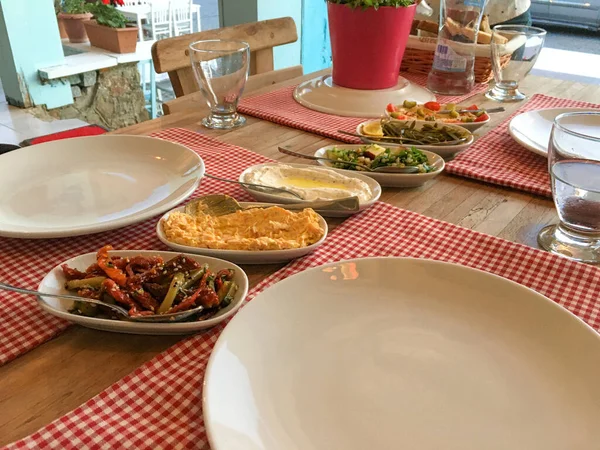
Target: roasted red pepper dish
147,285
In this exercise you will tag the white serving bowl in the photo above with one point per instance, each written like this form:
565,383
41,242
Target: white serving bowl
54,283
445,151
471,126
243,256
391,179
275,198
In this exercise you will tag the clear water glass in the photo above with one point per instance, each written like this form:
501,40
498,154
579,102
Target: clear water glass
525,43
221,70
574,165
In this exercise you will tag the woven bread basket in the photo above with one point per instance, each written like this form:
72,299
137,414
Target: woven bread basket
418,58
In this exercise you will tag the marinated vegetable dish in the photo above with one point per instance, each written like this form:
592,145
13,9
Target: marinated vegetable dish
408,133
146,285
434,111
374,156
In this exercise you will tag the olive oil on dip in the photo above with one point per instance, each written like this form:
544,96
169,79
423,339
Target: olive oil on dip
312,183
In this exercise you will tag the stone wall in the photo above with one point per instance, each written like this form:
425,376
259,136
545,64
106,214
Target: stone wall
112,98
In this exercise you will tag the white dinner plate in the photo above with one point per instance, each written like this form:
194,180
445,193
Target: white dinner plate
92,184
391,353
445,151
391,179
53,283
243,256
274,198
532,129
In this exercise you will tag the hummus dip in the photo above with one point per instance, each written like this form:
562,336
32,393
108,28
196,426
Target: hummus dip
253,229
310,183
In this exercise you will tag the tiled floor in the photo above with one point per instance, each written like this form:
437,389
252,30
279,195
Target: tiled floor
16,125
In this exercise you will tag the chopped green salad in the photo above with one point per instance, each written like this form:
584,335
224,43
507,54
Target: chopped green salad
374,156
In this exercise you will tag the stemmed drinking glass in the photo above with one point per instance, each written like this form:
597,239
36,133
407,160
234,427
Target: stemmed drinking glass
221,70
525,42
574,165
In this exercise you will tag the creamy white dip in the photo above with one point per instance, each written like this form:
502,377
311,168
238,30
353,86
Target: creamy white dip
312,184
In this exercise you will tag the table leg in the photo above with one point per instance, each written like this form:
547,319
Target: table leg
153,90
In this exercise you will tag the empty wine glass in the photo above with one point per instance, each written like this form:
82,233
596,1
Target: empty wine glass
525,43
221,70
574,165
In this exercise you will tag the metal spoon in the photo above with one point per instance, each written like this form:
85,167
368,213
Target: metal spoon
221,204
408,169
171,317
257,187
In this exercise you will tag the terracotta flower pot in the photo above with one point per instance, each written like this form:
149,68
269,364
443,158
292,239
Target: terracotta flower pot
74,26
367,45
116,40
61,28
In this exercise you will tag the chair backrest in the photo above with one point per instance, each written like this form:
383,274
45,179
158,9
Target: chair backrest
172,55
182,17
161,19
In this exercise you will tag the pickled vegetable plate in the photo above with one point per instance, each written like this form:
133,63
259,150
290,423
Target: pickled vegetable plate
54,283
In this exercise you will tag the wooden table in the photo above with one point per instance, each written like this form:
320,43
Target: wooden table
61,374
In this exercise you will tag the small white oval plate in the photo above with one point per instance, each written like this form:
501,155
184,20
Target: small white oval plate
391,179
445,151
243,256
471,126
532,129
393,353
53,283
87,185
272,198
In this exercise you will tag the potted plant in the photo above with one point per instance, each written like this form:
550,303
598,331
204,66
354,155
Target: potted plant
109,30
61,25
368,39
74,14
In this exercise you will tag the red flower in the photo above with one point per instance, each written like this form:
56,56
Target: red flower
106,2
120,2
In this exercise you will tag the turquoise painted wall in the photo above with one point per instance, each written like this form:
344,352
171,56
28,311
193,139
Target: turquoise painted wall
29,40
316,47
286,55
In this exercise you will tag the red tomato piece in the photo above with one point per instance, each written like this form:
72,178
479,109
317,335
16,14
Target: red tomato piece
391,108
472,107
432,106
482,118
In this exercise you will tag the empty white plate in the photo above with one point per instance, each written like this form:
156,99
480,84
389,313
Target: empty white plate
242,256
532,129
54,282
390,353
86,185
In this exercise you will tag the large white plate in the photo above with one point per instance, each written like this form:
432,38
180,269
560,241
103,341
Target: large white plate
243,256
320,94
532,129
391,179
274,198
53,283
87,185
403,354
445,151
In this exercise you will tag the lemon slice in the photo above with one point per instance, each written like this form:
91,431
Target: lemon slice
372,129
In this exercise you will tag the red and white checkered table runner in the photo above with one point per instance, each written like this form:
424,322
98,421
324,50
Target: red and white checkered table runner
25,262
159,405
280,107
498,159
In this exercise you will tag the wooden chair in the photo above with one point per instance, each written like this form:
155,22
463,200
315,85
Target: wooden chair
172,56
